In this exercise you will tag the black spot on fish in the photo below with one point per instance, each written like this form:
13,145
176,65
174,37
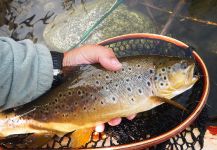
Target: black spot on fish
60,95
79,92
132,99
161,84
129,89
140,91
115,72
163,69
149,84
151,71
97,82
138,65
56,100
130,69
139,77
159,74
113,98
76,103
107,77
127,80
102,102
69,93
99,75
155,78
122,69
84,108
165,77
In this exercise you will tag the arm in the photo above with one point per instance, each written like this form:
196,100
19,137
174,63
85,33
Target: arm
26,72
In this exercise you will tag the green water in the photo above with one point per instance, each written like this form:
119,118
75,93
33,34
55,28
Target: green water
26,19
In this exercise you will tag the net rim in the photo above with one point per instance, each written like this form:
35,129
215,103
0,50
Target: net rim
183,125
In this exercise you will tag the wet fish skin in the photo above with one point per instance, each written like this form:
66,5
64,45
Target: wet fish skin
94,95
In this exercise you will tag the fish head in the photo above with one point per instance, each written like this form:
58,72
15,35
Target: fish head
174,76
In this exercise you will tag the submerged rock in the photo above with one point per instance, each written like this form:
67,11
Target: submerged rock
67,28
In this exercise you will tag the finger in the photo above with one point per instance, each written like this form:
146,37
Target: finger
114,122
100,128
108,59
131,117
110,63
90,54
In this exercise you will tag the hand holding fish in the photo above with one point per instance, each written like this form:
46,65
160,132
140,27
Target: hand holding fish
91,54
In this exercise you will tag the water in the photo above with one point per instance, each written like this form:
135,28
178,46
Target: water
195,23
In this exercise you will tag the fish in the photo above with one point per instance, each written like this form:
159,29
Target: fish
93,95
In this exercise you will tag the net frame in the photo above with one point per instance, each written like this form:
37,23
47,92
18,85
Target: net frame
155,45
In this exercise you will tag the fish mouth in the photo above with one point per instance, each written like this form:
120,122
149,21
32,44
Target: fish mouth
192,79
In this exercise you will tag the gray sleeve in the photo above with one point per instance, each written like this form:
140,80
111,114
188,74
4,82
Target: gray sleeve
26,72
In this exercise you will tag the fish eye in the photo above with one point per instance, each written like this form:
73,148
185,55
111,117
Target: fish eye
184,65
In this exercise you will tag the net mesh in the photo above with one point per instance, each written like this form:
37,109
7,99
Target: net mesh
151,123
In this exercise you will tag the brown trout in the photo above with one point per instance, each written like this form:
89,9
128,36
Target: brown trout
94,95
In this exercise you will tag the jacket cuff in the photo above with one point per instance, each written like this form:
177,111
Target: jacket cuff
57,59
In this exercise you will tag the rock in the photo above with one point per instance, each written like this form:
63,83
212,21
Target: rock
67,28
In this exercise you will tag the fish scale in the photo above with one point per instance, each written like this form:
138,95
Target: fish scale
94,95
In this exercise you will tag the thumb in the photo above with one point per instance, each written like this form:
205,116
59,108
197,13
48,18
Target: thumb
110,62
106,57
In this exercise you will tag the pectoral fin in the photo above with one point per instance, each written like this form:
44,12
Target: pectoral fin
169,101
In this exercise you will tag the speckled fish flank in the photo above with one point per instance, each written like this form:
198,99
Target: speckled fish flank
94,95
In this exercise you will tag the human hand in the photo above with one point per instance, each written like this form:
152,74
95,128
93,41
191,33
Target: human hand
91,54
